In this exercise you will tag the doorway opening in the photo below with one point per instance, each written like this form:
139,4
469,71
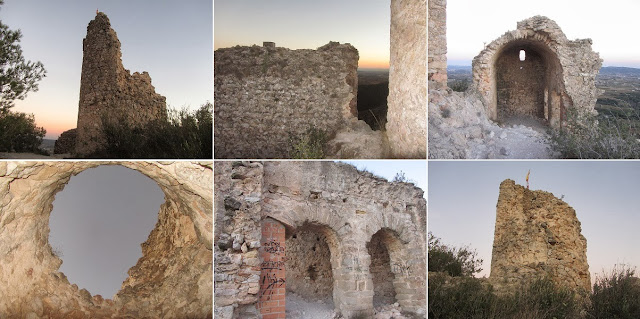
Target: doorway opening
381,268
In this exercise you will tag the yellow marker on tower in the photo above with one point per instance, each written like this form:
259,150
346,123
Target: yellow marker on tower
529,172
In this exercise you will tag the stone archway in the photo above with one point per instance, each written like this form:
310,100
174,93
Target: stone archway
528,83
556,76
172,279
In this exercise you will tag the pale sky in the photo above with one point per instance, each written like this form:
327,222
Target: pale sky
172,40
610,24
306,24
463,197
98,221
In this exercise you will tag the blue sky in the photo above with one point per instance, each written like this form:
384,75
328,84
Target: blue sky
98,222
307,24
472,23
463,197
172,40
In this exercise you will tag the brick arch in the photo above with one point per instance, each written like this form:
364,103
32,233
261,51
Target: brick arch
282,227
36,285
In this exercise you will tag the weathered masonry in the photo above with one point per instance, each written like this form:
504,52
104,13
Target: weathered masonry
536,72
268,98
265,96
173,277
324,231
437,60
537,235
109,92
407,100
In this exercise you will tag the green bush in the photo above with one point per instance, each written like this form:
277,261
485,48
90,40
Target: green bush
616,295
451,260
459,85
310,145
468,297
460,297
589,136
183,135
19,133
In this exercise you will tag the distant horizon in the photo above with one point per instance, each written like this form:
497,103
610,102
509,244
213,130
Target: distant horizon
603,65
171,41
365,24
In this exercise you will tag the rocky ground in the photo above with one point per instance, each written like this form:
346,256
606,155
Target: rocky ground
299,308
459,128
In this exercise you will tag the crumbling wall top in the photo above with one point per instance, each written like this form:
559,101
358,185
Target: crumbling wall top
537,235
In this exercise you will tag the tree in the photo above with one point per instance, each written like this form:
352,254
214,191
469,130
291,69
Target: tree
17,76
19,133
454,261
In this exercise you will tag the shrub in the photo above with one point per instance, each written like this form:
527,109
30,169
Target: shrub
464,297
310,145
616,295
590,136
19,133
183,135
451,260
459,85
468,297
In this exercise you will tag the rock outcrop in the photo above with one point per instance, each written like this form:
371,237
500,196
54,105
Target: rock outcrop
109,92
172,279
537,235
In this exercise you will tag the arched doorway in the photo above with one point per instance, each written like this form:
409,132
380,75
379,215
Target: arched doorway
528,84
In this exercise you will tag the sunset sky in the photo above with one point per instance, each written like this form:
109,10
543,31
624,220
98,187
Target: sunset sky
471,23
305,24
463,197
171,40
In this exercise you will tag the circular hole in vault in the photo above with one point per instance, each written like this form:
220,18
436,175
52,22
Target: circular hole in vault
98,222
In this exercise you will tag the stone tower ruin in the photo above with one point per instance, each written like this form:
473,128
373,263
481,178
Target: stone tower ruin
535,71
537,235
110,92
321,230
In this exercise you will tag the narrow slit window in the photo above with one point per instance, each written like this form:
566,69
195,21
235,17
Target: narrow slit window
523,55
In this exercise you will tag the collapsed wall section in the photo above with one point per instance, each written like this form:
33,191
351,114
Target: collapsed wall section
269,97
437,60
567,71
109,92
537,235
407,100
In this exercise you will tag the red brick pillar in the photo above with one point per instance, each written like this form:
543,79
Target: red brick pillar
272,276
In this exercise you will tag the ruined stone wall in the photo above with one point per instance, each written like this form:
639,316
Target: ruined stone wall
173,277
237,238
407,100
267,96
108,90
572,67
342,207
437,60
537,235
520,84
